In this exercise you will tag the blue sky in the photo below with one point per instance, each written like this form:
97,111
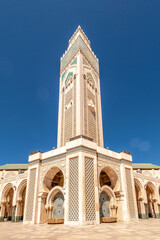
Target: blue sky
125,36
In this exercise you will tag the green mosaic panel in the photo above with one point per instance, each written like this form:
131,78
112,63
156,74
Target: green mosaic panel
70,74
1,219
79,44
142,216
18,219
74,62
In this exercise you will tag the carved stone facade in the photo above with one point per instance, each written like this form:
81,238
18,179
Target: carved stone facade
79,93
80,182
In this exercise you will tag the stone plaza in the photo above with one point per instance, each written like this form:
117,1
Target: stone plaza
143,229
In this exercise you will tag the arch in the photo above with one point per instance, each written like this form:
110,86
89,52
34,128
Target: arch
159,193
152,189
109,177
139,187
159,201
69,80
108,205
5,191
54,177
69,75
21,196
151,199
7,202
139,197
55,205
52,194
20,189
110,193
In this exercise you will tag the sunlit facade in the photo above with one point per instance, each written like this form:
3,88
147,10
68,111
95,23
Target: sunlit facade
79,182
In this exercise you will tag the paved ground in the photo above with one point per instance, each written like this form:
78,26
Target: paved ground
144,229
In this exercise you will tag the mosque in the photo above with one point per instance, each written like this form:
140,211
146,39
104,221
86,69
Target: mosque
80,182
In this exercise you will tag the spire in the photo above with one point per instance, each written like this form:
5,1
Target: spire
79,32
79,41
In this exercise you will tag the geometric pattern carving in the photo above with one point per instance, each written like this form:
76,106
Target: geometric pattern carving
89,189
92,131
31,194
14,177
58,206
104,205
68,117
90,112
130,198
73,189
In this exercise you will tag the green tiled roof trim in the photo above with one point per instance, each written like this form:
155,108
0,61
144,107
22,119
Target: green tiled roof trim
74,62
79,44
90,75
63,75
84,62
13,166
145,166
70,74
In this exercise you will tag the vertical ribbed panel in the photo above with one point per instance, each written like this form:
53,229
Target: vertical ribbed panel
73,189
92,131
31,195
89,189
130,197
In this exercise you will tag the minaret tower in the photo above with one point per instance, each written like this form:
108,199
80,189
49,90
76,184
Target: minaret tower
79,93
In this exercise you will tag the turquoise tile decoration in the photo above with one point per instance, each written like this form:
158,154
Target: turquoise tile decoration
74,62
70,74
79,44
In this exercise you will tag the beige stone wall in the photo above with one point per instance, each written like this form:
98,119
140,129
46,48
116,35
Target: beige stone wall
147,193
143,180
11,180
81,162
81,189
120,173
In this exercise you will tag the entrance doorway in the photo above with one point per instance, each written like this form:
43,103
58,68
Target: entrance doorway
150,202
58,206
8,207
104,205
